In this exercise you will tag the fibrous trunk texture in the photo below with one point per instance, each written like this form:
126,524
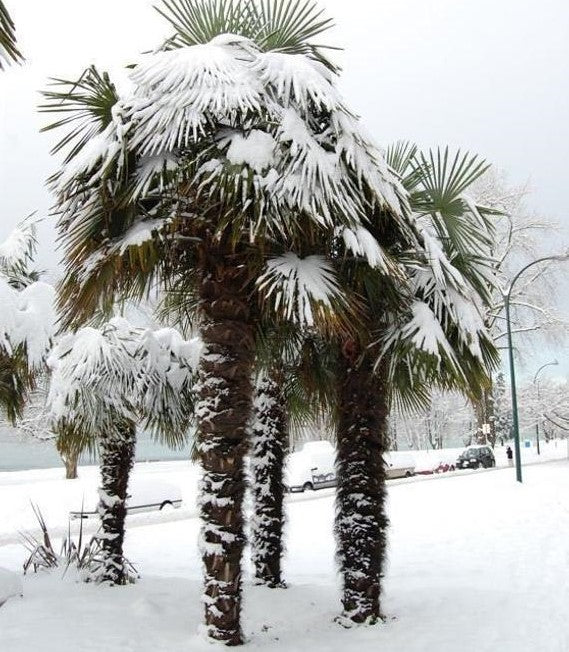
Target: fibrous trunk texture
269,438
116,459
223,413
70,461
361,521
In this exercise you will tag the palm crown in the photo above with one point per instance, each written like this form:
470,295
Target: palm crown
219,142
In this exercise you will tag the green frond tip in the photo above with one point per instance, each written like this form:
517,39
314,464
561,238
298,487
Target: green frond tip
9,52
274,25
85,104
199,21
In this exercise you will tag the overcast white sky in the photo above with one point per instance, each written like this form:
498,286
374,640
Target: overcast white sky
491,76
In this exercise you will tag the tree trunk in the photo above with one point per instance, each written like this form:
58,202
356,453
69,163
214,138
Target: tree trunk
223,413
70,461
116,459
485,415
361,522
269,438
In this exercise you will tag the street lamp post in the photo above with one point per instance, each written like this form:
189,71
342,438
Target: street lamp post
543,366
507,295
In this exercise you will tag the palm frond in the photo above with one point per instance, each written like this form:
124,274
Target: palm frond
16,382
86,104
444,179
8,49
200,21
290,26
273,25
304,291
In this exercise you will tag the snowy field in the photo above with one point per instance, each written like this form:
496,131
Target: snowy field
477,563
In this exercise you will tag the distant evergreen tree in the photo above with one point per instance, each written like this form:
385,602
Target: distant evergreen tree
502,410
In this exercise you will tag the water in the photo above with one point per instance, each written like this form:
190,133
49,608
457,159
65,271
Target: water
19,452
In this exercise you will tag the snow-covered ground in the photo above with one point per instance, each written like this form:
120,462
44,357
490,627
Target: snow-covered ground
478,563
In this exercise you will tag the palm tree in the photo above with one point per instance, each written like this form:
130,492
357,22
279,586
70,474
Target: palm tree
27,322
230,150
291,390
422,330
104,382
8,48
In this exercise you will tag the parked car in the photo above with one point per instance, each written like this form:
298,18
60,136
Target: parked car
475,457
145,494
399,465
311,468
438,467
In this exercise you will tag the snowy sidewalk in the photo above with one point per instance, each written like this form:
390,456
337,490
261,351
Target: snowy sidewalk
478,563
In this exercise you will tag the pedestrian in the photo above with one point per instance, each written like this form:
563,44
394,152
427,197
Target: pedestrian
510,456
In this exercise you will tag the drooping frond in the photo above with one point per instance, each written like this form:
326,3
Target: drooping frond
27,319
304,291
16,382
217,138
118,373
169,366
8,49
18,248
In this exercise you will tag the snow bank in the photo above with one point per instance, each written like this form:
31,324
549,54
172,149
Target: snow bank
10,585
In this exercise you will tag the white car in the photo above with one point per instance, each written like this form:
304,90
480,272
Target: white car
311,468
399,465
144,494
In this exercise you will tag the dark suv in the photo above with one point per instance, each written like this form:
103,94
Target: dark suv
475,457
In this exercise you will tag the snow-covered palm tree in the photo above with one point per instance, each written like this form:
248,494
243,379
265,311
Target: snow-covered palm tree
8,47
104,383
232,149
293,387
27,319
421,329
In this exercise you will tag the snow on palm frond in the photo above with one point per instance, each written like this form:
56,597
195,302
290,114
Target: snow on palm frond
360,242
297,79
35,321
9,302
182,96
424,332
101,377
27,320
100,152
93,381
255,149
140,233
225,140
17,249
303,290
178,91
169,365
467,316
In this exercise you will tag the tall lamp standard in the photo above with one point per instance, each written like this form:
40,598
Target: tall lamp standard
543,366
507,294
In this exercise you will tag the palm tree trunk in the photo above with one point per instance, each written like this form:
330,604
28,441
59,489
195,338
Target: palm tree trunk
116,459
223,413
269,439
361,522
70,461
